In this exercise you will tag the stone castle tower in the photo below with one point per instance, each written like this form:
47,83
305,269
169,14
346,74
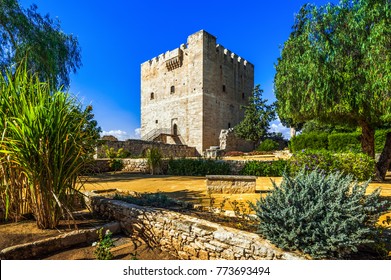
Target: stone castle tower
188,95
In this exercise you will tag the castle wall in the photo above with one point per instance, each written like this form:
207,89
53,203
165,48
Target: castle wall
210,85
182,106
228,83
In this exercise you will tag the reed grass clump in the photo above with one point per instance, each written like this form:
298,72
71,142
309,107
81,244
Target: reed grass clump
47,139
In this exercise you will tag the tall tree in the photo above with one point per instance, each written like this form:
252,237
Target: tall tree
27,35
257,117
336,68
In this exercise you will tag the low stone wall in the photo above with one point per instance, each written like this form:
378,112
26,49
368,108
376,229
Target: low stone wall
230,184
37,249
187,237
138,147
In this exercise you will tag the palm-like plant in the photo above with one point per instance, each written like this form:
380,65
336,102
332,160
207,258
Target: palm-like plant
47,138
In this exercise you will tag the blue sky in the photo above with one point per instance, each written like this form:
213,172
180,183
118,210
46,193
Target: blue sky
117,36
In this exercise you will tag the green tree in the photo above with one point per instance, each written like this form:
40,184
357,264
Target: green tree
25,34
257,118
336,68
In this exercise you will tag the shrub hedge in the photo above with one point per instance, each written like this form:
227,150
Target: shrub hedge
344,142
197,167
313,141
336,142
262,168
359,165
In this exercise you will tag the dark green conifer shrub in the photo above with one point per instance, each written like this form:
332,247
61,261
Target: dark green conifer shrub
325,216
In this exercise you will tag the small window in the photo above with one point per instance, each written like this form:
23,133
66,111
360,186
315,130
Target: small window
243,95
172,89
152,96
156,121
223,88
229,125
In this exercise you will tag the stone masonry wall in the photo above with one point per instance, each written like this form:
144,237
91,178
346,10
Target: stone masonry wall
195,90
230,142
187,237
138,147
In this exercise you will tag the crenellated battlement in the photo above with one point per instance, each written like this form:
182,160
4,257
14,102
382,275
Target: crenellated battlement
226,55
168,55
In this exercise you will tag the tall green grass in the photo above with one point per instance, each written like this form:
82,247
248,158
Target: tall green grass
47,140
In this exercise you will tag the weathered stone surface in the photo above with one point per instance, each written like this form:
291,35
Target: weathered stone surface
230,184
195,85
193,238
203,255
137,148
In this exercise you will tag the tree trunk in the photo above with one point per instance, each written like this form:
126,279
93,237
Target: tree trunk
384,160
368,139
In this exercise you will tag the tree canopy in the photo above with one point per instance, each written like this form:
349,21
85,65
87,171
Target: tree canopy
26,34
336,67
257,117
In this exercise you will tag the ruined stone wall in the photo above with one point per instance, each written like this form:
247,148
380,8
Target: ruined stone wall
138,148
230,142
187,237
198,89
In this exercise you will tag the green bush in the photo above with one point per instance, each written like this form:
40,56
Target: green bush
359,165
268,145
115,164
197,167
344,142
262,168
325,216
154,160
312,141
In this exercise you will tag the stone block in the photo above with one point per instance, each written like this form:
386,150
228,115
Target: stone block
231,184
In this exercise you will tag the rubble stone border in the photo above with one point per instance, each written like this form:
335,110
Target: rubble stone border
187,237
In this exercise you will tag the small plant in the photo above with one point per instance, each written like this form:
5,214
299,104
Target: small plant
104,245
325,216
268,145
241,209
154,159
115,164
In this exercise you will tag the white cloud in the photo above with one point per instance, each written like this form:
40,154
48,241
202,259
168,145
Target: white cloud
123,135
277,126
119,134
